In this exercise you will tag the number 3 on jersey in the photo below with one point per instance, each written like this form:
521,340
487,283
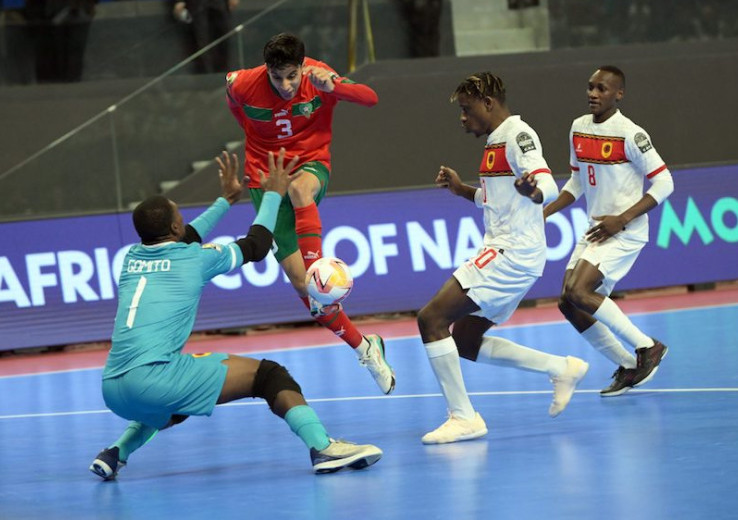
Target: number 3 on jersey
591,175
285,129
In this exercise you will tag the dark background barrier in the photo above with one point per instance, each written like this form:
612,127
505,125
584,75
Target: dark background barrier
680,93
677,92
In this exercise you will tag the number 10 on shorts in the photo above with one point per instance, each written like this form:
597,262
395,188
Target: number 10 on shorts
485,257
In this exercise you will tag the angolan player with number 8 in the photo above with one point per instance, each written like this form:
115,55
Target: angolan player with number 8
289,101
609,158
485,291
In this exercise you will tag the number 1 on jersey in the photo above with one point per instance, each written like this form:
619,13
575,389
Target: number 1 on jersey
134,302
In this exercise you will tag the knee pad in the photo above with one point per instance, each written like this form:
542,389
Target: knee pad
174,420
177,418
272,378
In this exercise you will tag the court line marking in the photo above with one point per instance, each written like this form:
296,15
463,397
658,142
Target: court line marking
253,353
402,396
341,344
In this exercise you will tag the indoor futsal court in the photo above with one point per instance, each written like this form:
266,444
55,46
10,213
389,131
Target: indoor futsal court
666,451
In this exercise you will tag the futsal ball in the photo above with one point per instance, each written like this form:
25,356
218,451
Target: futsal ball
329,280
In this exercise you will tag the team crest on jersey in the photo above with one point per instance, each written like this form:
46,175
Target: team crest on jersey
217,247
494,162
231,77
306,109
642,142
525,142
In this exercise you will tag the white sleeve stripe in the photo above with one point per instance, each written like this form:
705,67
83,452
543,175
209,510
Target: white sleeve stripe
661,186
233,256
548,188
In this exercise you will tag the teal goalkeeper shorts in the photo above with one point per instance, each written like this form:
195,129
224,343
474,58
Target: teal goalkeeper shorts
189,384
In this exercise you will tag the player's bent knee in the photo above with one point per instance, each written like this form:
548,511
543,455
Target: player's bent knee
271,379
425,318
565,306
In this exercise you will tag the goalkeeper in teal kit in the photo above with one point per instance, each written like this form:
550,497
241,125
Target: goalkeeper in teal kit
148,380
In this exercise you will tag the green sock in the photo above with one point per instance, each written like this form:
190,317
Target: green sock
135,436
305,423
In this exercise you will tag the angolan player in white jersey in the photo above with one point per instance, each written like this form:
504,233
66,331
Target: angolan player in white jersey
609,157
485,291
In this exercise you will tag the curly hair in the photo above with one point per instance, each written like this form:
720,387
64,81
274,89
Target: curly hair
481,85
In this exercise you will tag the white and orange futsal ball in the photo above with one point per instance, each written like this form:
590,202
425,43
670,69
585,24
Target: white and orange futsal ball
329,280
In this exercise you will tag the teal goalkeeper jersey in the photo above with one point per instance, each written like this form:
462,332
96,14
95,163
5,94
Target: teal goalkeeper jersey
158,297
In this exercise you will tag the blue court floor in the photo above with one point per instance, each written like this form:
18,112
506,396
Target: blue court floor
668,451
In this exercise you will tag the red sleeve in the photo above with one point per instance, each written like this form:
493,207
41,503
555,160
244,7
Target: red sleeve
233,105
345,90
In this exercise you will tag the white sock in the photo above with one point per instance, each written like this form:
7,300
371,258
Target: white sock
362,348
605,342
611,315
444,358
503,352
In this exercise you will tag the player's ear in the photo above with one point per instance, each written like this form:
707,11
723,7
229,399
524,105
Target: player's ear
175,229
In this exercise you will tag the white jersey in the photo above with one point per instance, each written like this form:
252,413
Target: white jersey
513,222
608,162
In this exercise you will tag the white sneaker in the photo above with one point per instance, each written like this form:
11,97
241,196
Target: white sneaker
374,360
566,383
456,429
343,454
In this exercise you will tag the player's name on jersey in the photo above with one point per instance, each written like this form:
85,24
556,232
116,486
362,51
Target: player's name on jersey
148,266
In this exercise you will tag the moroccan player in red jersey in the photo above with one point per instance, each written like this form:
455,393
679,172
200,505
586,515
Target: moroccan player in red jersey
288,102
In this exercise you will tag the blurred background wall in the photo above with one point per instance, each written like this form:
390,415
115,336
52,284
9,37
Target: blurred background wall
136,119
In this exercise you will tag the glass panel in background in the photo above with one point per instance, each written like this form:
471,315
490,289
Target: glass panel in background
166,131
78,176
578,23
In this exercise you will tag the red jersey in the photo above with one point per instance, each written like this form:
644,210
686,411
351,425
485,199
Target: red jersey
302,125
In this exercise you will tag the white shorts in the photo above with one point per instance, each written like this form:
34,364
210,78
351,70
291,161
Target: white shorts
494,283
613,258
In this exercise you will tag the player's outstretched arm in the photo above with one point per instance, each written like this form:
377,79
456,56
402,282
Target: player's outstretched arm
231,186
449,179
610,225
562,201
280,175
255,246
344,89
537,186
527,186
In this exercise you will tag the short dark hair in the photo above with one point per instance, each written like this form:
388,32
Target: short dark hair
480,86
284,49
153,218
615,71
